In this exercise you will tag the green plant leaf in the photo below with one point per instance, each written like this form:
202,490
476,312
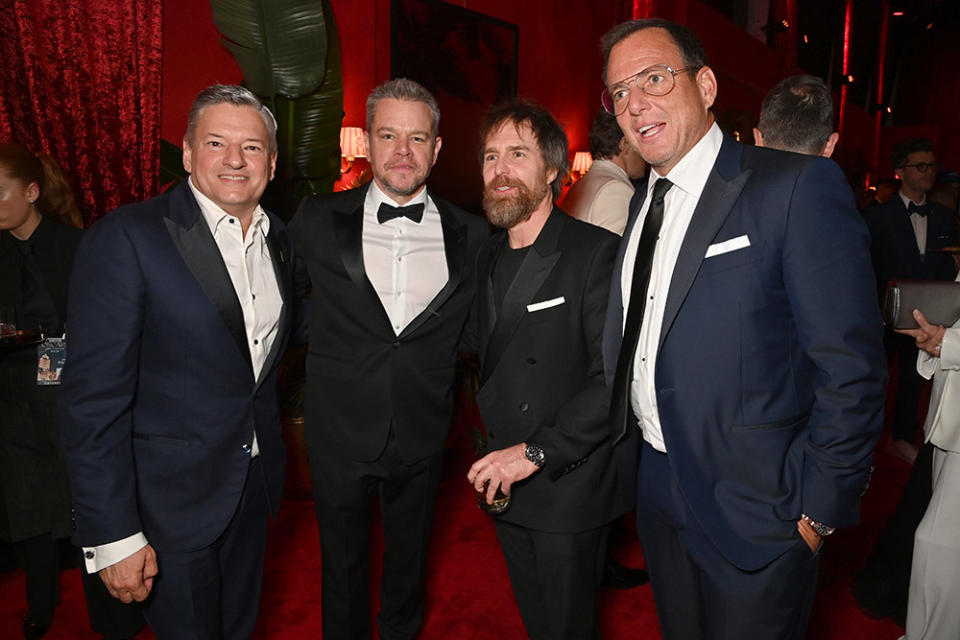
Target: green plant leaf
280,45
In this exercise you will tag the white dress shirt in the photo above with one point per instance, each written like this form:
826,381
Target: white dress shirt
251,271
405,260
918,221
688,176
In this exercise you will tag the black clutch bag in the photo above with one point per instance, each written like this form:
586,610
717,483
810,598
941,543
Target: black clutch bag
938,300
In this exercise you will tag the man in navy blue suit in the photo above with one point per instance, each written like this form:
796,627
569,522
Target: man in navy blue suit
742,348
179,312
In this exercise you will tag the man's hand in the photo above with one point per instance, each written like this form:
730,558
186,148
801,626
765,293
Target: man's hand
809,535
131,578
929,337
502,468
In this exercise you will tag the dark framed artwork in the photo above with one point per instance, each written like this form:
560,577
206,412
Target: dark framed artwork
469,62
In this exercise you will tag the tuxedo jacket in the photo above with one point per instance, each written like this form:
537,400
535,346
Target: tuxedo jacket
770,369
542,373
362,378
159,404
894,244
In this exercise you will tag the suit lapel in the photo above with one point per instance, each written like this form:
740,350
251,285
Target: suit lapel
194,241
533,272
455,252
719,195
278,257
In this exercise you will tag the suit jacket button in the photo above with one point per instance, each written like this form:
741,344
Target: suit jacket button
246,448
396,345
531,361
524,406
88,554
491,435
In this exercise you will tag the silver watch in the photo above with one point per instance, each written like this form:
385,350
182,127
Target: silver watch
535,455
822,530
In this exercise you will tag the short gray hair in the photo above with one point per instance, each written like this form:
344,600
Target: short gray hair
235,95
404,89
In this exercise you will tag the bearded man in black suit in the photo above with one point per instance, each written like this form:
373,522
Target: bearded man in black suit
541,304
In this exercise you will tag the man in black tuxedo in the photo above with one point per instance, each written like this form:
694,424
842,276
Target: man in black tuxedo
392,273
179,310
907,233
540,310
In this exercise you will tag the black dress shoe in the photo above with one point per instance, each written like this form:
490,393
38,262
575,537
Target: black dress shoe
34,631
620,577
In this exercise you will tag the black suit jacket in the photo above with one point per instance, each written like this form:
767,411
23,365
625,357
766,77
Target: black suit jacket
362,378
894,244
542,373
159,404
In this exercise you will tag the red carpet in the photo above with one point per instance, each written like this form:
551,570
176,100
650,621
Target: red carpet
468,592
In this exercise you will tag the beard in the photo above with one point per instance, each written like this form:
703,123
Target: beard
507,211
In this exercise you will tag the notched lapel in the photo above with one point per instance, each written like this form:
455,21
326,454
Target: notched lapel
715,203
202,256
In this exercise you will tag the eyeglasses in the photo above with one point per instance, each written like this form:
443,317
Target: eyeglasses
657,80
922,167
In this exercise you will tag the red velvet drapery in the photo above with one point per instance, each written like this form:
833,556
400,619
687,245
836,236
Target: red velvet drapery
80,79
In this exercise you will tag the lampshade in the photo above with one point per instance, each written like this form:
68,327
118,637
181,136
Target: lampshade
351,143
582,161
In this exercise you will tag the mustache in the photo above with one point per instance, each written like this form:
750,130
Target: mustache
503,181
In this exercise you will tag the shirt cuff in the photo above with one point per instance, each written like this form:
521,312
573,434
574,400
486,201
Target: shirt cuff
105,555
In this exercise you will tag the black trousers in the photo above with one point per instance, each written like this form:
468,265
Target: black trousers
214,592
698,592
40,558
555,579
909,384
344,492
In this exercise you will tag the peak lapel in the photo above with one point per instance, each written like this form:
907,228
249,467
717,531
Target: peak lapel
533,272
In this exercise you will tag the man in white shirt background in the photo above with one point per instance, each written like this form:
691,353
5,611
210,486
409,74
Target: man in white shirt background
602,196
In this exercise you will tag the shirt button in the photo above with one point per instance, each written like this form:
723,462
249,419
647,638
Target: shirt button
231,220
643,359
400,259
254,296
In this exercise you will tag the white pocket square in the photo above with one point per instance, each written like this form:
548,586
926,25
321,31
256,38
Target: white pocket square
740,242
546,304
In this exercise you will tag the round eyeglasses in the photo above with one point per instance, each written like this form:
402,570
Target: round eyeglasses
657,80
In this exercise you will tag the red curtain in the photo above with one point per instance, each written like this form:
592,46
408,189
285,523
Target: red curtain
80,79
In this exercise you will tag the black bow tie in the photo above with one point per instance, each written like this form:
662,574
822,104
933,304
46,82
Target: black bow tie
389,212
919,209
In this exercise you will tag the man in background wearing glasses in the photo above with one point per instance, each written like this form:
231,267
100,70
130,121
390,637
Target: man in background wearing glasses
908,233
742,348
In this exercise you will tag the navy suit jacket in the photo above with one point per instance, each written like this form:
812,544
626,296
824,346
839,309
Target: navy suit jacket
159,404
770,370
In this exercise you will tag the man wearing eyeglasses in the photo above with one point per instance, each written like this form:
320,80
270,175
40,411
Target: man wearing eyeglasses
908,234
742,349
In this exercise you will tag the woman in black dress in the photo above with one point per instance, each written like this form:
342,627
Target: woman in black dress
36,251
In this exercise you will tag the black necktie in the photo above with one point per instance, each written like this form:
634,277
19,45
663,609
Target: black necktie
919,209
620,402
389,212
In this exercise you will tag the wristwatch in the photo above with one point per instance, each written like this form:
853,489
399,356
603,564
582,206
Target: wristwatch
535,455
821,529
